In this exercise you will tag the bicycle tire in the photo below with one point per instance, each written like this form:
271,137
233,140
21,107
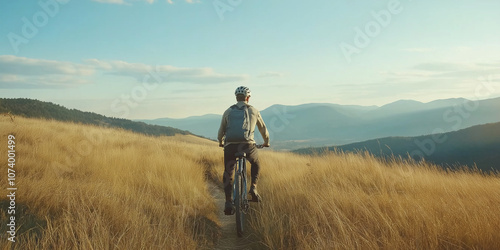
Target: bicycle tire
240,215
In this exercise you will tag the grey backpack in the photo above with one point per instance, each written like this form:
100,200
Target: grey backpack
238,124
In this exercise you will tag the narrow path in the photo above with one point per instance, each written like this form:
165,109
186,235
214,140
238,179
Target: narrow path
229,239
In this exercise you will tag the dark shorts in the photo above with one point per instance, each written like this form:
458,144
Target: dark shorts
230,163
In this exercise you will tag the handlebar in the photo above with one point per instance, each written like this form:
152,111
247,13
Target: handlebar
259,146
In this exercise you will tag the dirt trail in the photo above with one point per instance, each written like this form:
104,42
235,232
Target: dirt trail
229,239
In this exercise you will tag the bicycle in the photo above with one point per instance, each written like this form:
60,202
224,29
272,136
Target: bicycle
240,194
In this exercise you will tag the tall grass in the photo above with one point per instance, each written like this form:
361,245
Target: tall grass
352,201
87,187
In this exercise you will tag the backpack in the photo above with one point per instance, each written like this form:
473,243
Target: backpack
238,124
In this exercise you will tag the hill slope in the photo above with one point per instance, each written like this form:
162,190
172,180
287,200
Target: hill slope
92,187
475,146
38,109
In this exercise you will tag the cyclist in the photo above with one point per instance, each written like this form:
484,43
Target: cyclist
239,119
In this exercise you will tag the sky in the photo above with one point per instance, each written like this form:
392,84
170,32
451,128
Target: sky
146,59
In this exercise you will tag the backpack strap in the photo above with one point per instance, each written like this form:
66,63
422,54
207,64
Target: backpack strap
244,106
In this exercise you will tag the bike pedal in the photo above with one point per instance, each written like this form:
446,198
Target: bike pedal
255,199
231,212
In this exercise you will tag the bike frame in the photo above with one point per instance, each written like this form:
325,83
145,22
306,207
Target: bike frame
240,194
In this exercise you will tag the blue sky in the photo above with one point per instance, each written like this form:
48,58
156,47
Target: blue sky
177,58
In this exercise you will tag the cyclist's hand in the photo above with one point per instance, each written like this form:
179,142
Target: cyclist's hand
266,145
221,144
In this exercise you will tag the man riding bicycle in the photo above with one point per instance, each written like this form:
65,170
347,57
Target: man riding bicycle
236,134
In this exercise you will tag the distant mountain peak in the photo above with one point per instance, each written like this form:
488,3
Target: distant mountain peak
405,102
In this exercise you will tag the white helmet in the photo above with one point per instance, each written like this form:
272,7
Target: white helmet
242,90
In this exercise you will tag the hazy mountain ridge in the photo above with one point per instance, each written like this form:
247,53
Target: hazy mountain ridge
38,109
325,124
475,146
206,125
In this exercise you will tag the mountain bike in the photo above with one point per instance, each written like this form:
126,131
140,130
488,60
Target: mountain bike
240,194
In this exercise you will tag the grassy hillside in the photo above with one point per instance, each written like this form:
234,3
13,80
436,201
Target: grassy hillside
38,109
88,187
350,201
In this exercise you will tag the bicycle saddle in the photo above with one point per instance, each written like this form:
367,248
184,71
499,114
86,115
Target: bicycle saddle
240,154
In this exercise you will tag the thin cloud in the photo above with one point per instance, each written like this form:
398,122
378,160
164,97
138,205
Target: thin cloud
444,66
407,76
187,1
28,66
494,65
271,74
418,50
458,70
439,77
164,73
40,82
118,2
110,1
21,72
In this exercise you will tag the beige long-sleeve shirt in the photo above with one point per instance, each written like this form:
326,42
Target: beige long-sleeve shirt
255,120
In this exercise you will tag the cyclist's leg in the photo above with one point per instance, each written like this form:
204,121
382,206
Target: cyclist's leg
253,158
229,165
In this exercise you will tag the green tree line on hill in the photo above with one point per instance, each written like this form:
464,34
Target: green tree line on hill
38,109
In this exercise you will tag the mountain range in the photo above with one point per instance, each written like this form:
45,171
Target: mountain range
324,124
477,146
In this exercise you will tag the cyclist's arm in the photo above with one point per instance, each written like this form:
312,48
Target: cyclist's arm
263,130
222,128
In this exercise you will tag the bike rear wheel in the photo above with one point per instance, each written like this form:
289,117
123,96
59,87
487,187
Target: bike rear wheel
240,215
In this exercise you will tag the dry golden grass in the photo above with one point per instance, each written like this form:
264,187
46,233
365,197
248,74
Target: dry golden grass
352,201
99,188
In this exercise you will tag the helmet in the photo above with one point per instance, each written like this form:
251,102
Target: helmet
242,90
